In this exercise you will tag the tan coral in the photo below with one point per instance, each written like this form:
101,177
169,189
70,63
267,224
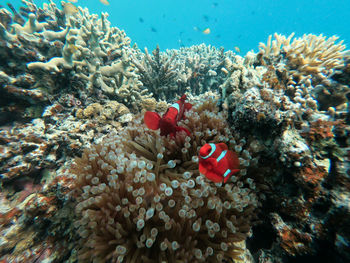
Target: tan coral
162,106
92,110
113,109
149,104
307,55
110,111
31,26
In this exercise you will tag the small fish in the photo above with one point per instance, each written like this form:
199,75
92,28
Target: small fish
69,9
206,18
206,31
237,49
105,2
168,122
141,20
217,163
153,29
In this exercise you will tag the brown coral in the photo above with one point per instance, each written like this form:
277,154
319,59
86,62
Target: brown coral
140,197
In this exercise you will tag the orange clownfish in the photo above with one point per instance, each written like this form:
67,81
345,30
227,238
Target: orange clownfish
217,163
168,122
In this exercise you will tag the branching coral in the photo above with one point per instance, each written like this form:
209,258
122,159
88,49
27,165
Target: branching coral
194,69
140,197
157,72
307,55
199,67
74,51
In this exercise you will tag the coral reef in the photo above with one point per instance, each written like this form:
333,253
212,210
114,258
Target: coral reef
78,54
298,111
112,110
157,72
140,196
307,55
199,68
83,180
34,226
195,69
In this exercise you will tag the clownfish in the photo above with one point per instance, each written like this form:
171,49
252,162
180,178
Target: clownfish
168,122
217,163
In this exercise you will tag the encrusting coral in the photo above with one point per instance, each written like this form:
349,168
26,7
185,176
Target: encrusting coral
140,197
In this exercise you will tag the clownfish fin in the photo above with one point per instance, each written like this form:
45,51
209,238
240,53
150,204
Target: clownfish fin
202,168
179,128
222,146
212,162
151,120
213,177
207,165
232,160
188,106
183,97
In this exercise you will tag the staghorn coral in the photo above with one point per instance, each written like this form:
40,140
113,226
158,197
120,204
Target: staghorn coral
307,55
157,72
195,69
199,67
140,196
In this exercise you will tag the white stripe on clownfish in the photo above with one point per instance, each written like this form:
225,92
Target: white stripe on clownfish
227,173
176,106
222,155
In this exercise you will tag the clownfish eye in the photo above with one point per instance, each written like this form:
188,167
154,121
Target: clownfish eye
208,150
205,151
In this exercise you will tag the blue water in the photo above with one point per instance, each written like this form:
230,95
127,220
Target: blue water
172,23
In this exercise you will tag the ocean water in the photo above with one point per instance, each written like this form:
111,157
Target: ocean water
232,23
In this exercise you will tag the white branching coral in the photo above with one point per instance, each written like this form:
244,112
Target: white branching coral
96,54
140,197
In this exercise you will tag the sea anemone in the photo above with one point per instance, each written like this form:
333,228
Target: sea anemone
140,197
